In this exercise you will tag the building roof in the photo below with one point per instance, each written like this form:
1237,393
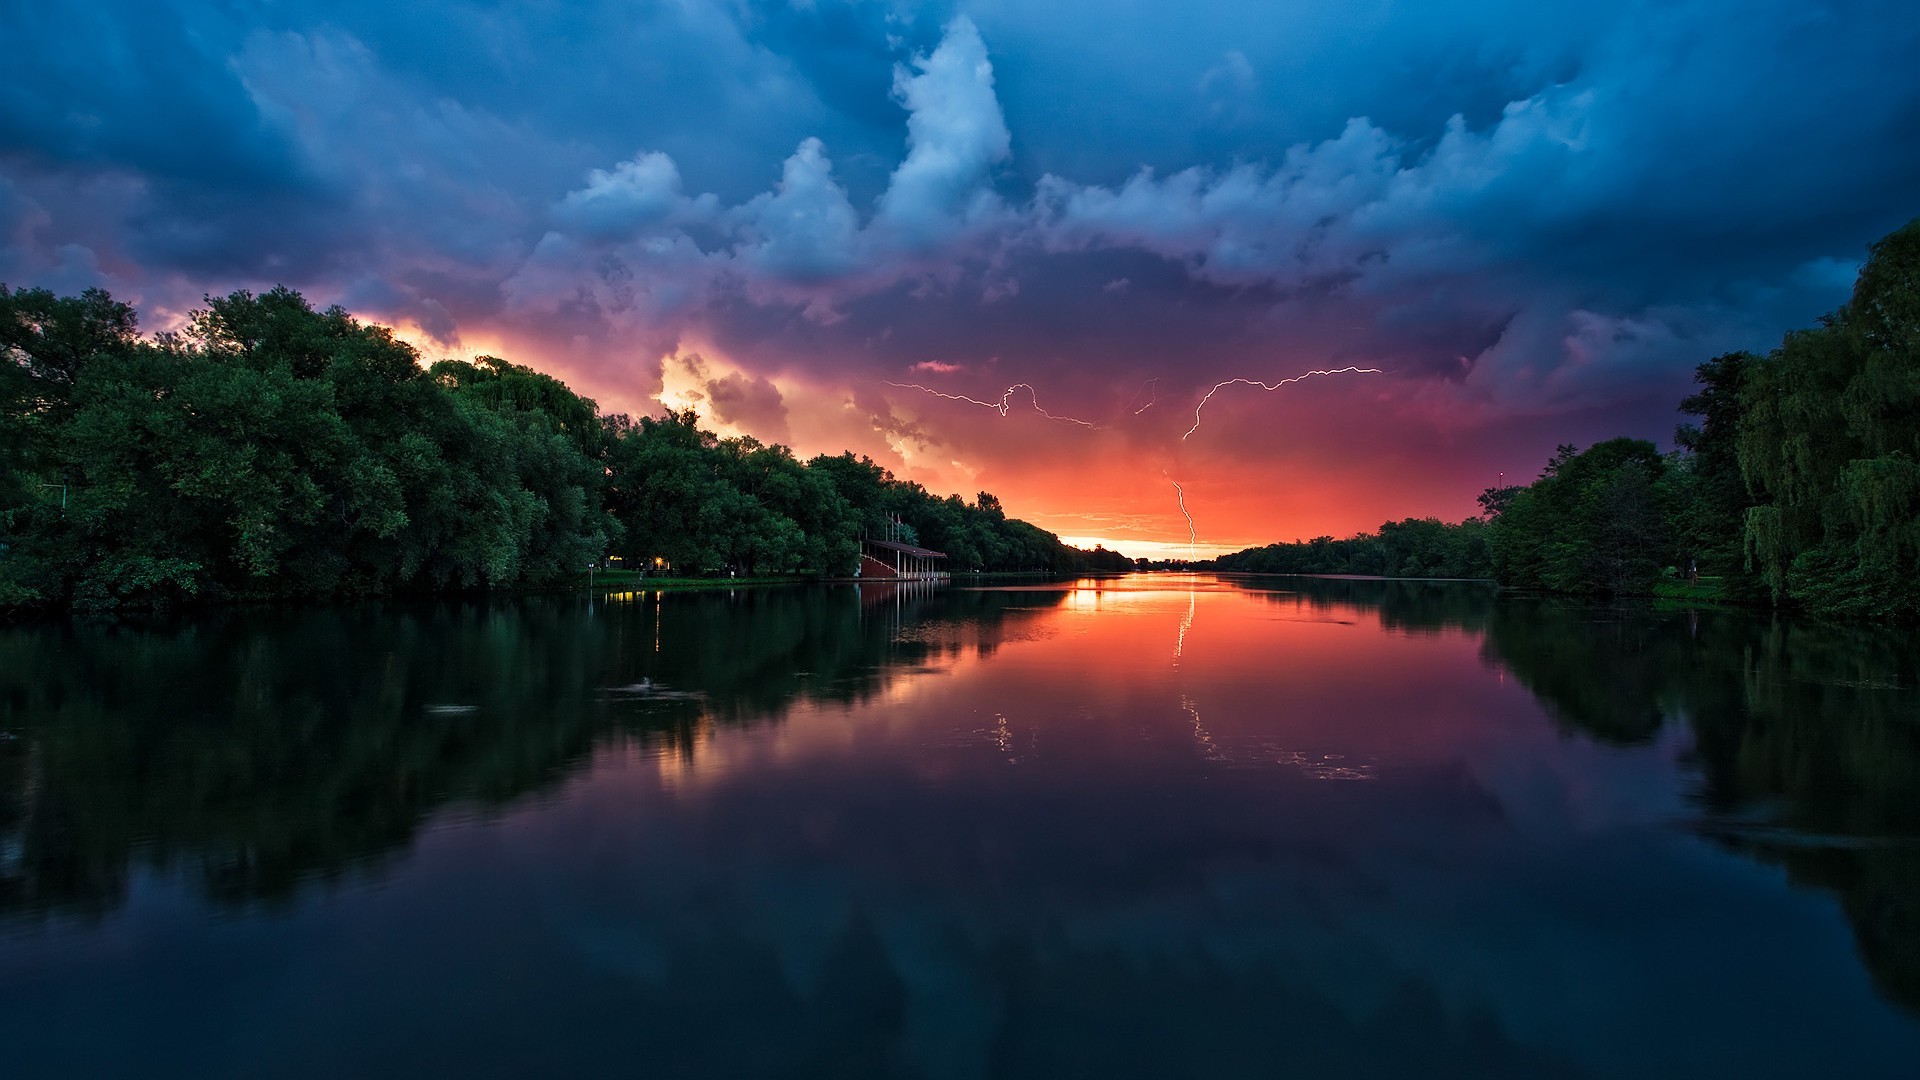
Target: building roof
906,549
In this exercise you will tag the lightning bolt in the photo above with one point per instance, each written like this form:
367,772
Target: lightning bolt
1003,406
1181,493
949,397
1153,388
1270,387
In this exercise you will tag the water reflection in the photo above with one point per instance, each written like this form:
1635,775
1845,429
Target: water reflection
264,750
1806,739
1339,827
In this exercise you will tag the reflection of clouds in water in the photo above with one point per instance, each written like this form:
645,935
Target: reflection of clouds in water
860,867
1216,910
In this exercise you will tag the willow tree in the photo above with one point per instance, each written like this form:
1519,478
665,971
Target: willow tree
1830,445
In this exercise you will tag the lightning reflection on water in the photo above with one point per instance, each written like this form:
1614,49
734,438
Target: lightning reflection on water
1180,644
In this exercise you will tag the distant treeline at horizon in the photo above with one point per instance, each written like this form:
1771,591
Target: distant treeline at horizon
1798,484
272,451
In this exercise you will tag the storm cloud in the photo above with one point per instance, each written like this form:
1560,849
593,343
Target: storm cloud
1537,221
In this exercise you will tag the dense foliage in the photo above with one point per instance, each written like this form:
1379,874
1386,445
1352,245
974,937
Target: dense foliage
1413,548
1595,522
1800,483
269,450
1829,438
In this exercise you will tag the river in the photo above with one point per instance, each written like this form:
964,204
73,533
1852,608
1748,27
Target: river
1159,825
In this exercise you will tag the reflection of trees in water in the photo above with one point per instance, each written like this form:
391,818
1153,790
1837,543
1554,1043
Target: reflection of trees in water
1599,671
1806,736
1405,605
258,751
261,750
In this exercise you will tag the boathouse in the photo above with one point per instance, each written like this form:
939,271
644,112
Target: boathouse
892,560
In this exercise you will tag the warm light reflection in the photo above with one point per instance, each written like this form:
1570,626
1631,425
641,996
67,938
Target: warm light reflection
1279,678
811,729
1186,624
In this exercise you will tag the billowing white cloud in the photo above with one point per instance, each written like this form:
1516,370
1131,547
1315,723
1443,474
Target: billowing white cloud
802,243
805,230
955,135
633,198
1364,207
1534,205
639,284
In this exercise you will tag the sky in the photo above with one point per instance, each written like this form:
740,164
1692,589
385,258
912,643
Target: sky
1007,247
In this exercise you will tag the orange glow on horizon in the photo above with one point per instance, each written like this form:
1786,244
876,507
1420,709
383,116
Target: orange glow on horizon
1262,470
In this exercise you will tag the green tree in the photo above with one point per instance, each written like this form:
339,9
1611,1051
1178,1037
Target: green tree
1830,445
46,344
1710,494
663,470
1594,522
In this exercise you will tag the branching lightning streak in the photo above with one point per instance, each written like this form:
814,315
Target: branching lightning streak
1270,387
949,397
1003,406
1153,387
1192,534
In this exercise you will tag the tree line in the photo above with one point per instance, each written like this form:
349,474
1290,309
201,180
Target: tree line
1795,482
269,450
1412,548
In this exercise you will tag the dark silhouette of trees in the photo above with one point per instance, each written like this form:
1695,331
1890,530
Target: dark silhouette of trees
1595,522
1798,482
1412,548
1829,437
273,451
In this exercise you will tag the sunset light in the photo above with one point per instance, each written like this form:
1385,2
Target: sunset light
960,539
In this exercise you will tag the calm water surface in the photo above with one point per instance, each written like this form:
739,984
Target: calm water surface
1156,826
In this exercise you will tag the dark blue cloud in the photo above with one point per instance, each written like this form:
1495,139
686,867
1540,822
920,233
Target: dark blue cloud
1546,208
142,88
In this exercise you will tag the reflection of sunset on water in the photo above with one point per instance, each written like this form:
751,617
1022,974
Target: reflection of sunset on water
964,823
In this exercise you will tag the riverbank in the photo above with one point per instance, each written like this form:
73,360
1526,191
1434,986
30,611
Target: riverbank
615,580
